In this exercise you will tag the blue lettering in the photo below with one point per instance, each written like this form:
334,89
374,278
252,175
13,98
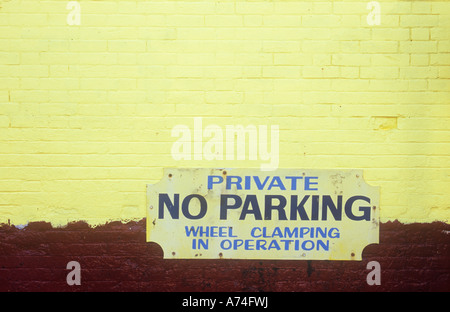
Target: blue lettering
191,230
324,246
277,232
294,182
261,244
211,181
307,242
252,233
277,184
225,244
333,233
290,233
248,245
308,183
258,182
274,245
237,182
237,243
304,231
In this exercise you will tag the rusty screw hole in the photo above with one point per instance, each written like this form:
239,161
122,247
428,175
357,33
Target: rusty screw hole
352,254
173,253
170,175
224,172
220,255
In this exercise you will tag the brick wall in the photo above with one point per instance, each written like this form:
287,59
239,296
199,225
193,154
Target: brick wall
89,108
86,113
115,257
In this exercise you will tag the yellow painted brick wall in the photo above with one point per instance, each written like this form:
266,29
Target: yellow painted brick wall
86,111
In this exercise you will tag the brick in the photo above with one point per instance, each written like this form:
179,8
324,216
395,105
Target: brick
390,59
439,33
292,7
419,20
281,46
281,71
349,85
388,20
322,7
444,72
254,7
4,122
88,45
379,72
420,34
37,19
390,34
444,46
321,72
346,7
8,58
126,45
440,7
379,46
229,97
282,20
350,72
420,7
253,20
224,20
351,59
321,20
418,46
418,72
353,33
324,46
420,59
292,59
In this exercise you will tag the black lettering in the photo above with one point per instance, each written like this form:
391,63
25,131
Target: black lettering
185,207
327,202
364,209
253,201
315,207
268,207
173,208
224,206
300,209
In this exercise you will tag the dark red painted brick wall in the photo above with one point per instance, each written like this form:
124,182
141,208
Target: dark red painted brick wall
116,257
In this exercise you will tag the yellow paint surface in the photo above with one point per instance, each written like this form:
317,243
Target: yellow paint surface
86,111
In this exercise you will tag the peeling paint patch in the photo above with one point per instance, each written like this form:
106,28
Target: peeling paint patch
21,226
384,122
